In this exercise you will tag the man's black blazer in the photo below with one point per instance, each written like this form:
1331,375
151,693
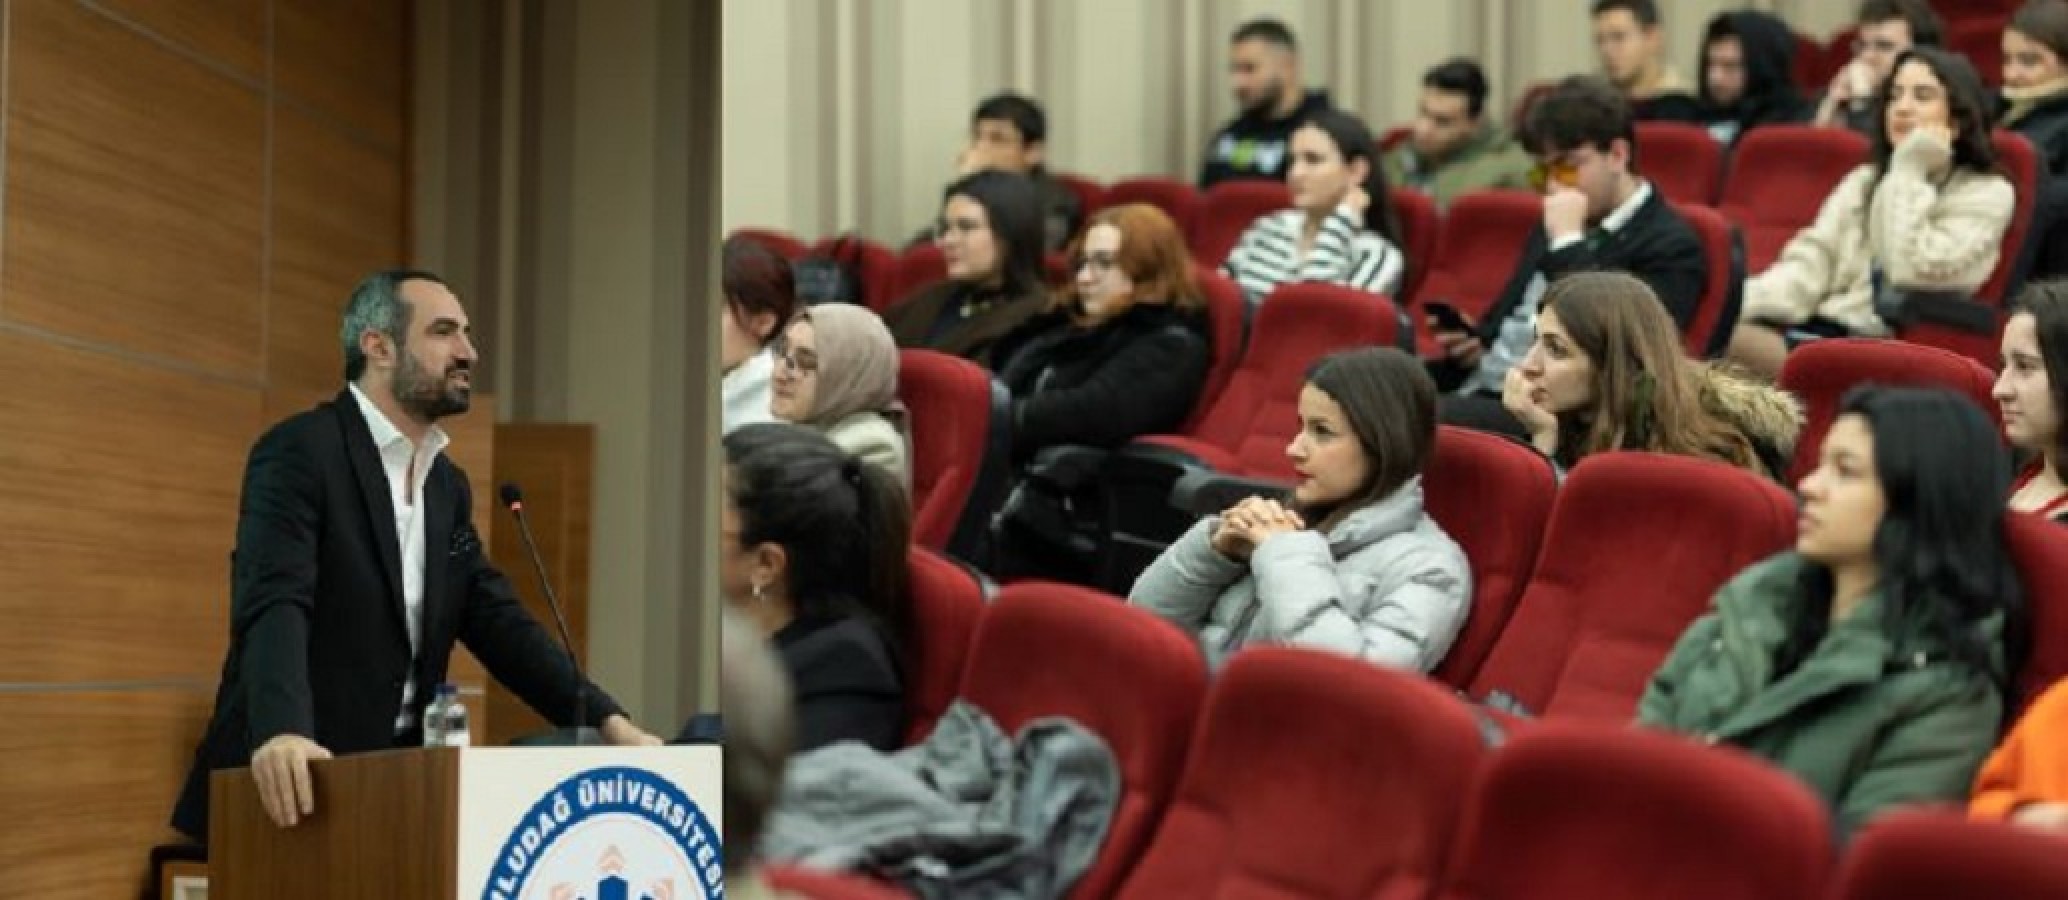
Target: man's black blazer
318,641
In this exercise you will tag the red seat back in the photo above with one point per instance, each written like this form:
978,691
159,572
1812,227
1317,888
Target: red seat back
1484,234
1779,177
1981,41
1708,333
949,400
1583,811
1178,200
1819,374
2040,549
782,243
1682,161
875,264
1131,678
1807,68
1493,496
1420,229
1393,137
1258,409
1931,857
1091,196
2022,166
1228,210
919,266
1227,315
1321,776
947,604
1597,619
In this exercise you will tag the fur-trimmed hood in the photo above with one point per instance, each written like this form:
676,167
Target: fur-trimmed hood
1768,416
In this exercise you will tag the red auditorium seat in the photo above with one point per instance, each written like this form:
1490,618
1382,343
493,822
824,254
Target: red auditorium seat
1716,312
1393,137
1919,856
1599,617
1820,372
1091,196
1778,178
947,604
1573,811
1227,326
1314,776
2040,549
1483,237
1981,41
1807,69
1178,200
1135,680
783,243
949,399
809,885
1227,211
1493,496
1681,160
1981,339
919,266
1420,230
875,264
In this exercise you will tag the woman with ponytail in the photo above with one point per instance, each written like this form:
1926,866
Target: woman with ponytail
1607,373
812,550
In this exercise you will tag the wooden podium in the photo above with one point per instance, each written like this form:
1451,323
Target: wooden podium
487,823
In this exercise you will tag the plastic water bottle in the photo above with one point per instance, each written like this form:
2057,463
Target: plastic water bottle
445,720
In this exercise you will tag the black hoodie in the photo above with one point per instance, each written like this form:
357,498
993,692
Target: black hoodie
1770,98
1253,146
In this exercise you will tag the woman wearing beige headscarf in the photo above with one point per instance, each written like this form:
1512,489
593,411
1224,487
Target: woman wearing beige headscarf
837,371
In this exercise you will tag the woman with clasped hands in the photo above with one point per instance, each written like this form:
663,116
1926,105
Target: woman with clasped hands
1354,565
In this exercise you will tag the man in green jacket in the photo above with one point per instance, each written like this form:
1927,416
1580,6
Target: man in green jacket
1455,148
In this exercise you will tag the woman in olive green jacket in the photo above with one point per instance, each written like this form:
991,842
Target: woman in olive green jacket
1869,662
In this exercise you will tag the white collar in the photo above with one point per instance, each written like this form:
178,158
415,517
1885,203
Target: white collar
385,434
1622,215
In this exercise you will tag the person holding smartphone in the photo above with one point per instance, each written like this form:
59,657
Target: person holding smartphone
1599,214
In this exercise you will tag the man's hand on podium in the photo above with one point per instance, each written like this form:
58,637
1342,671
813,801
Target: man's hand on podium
281,767
621,732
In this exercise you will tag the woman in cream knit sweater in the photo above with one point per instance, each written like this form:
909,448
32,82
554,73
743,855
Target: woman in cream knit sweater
1927,213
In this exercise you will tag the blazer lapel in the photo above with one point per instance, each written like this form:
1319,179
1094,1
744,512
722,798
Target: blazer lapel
373,489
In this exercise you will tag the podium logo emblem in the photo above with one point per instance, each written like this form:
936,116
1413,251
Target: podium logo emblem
614,833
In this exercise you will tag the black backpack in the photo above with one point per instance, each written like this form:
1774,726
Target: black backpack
832,276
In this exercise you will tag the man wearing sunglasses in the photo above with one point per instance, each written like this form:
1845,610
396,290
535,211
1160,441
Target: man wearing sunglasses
1599,215
1886,28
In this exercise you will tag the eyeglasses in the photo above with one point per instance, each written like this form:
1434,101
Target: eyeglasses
1562,171
946,228
1100,263
802,362
1883,46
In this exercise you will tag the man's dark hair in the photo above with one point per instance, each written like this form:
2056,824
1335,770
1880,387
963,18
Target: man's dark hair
1644,11
1460,76
1583,110
376,304
1925,28
1267,30
1021,112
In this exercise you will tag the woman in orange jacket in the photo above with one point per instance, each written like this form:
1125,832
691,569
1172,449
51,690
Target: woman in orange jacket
2026,780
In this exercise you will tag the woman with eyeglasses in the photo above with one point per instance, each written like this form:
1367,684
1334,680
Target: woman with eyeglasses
990,236
1341,229
1926,213
837,371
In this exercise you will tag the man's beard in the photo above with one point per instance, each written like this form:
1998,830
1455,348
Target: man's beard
431,397
1266,101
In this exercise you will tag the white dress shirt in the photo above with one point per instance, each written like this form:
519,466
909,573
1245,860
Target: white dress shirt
407,466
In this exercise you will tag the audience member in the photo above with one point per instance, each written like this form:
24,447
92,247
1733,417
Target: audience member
1886,29
1748,58
990,236
812,552
1264,71
1632,47
2035,80
1009,133
754,697
1456,148
837,371
1871,660
1599,214
2025,781
1607,372
2035,347
1341,229
1928,212
1355,566
760,296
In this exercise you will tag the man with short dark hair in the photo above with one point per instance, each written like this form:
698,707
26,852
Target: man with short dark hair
1632,47
1599,214
1455,148
1886,29
1009,133
1264,71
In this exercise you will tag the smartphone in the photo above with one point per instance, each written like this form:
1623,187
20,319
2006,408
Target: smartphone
1447,316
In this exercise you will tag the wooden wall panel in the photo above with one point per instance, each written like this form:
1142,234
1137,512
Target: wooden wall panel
229,33
135,186
346,59
116,515
556,466
88,786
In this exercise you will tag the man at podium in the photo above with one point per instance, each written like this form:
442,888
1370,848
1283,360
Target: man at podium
357,566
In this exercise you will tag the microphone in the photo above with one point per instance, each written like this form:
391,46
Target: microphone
513,498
